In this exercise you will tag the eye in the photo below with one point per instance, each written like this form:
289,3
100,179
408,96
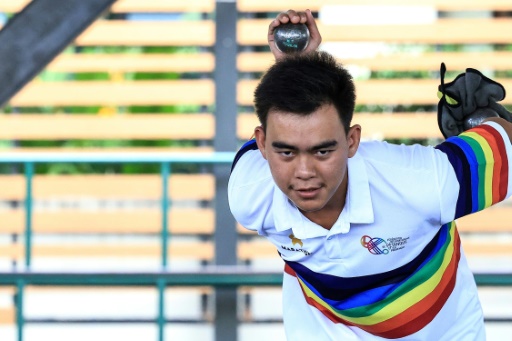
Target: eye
323,152
286,153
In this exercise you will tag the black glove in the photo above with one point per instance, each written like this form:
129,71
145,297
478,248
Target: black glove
467,101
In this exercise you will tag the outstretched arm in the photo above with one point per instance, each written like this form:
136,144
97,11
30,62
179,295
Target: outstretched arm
504,123
295,17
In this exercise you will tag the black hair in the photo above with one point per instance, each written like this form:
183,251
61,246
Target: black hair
302,83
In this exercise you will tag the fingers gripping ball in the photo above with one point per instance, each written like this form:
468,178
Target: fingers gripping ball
291,37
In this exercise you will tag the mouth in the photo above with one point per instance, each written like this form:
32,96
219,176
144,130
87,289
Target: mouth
308,193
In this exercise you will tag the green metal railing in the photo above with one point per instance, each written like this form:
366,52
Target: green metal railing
163,158
215,276
159,280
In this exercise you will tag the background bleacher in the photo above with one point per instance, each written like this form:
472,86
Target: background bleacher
140,79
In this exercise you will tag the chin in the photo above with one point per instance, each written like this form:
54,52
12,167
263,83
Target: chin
308,208
307,205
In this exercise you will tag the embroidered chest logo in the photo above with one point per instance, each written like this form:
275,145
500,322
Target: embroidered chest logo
296,241
379,246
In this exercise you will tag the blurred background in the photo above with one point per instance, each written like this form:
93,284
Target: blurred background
118,123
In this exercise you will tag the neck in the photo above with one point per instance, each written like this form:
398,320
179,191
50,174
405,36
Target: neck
327,216
324,218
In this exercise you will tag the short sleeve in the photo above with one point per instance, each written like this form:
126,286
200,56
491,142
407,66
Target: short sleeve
480,158
250,188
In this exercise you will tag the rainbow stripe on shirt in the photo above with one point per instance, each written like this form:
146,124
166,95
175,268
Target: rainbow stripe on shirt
402,301
480,161
393,304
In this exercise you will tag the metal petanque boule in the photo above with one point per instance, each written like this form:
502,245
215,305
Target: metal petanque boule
291,37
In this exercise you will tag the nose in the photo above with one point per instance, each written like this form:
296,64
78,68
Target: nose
305,168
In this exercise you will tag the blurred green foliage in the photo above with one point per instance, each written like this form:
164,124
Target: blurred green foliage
52,76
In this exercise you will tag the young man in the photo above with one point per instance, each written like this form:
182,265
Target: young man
365,228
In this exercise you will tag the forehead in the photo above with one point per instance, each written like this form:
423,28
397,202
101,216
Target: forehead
322,124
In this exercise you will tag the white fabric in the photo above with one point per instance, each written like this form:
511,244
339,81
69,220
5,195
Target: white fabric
402,194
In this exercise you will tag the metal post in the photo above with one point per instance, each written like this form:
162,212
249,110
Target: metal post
161,309
29,174
19,309
226,77
165,171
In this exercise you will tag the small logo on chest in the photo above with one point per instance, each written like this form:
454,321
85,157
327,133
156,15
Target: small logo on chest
295,240
379,246
299,243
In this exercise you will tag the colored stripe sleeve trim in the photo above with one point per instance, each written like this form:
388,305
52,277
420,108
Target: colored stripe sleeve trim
460,165
501,161
480,161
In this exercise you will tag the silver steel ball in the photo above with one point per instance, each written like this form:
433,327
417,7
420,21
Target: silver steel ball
291,37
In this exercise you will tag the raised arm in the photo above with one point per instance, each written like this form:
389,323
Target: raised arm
469,100
295,17
504,123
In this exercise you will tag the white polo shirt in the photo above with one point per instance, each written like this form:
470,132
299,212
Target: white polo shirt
391,267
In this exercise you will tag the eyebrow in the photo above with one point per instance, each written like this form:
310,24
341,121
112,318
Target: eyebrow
323,145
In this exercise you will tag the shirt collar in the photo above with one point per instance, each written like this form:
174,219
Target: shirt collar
360,201
358,208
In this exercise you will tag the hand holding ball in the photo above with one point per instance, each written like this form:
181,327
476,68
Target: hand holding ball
291,37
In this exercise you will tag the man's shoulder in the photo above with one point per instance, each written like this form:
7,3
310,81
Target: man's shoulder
247,147
249,163
390,153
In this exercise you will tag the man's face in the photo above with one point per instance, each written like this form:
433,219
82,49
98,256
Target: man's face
308,157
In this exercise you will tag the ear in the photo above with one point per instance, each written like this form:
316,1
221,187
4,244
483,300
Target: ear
353,139
259,134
